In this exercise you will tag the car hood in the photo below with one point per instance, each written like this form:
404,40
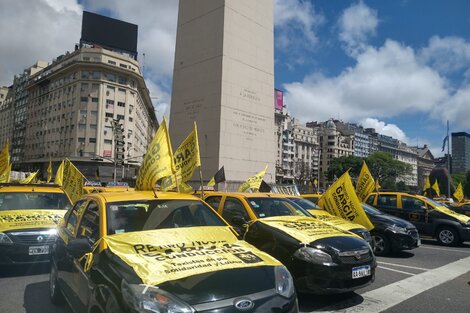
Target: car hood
389,220
221,285
31,218
340,244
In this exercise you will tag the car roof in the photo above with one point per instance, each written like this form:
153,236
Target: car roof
140,195
47,188
246,194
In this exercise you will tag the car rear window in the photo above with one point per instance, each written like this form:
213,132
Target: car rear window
159,214
268,207
33,200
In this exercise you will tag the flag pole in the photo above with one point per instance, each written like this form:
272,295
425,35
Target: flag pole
202,182
448,161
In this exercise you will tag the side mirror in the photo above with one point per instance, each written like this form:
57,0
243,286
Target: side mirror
78,247
237,220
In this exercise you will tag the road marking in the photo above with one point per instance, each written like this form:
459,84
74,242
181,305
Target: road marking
444,249
407,266
394,270
388,296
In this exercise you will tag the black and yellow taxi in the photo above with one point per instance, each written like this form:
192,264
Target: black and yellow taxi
460,207
322,258
431,218
29,214
161,252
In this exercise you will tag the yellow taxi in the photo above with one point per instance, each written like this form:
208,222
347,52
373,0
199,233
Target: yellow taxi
29,214
323,259
147,251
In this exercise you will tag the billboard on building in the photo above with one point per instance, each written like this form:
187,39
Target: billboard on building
278,99
109,32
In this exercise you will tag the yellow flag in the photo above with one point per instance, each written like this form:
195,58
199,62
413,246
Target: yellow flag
49,171
211,182
5,166
377,185
30,179
59,175
341,200
435,186
186,188
365,183
186,159
458,194
427,184
253,182
158,161
72,181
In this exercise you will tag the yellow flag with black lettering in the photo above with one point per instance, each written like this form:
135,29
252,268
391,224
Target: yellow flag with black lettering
365,183
73,181
253,182
49,171
5,166
458,194
59,175
341,200
30,179
158,161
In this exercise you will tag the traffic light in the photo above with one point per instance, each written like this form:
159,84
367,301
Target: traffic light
119,148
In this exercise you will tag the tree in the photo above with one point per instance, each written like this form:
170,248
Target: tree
386,169
340,165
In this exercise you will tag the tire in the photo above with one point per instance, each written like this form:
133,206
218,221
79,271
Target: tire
55,293
447,236
381,244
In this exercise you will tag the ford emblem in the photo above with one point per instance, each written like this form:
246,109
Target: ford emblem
244,304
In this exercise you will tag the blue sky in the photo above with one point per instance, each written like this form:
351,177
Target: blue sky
400,66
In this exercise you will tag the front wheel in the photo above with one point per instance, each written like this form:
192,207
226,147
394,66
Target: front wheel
381,244
54,290
447,236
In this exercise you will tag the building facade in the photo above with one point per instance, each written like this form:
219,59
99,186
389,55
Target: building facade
460,152
425,164
6,113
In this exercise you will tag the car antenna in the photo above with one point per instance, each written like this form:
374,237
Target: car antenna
154,192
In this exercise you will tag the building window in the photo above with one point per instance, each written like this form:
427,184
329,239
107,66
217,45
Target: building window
92,140
85,74
122,65
122,80
111,77
111,62
96,75
108,141
120,117
94,99
81,139
121,104
83,99
109,115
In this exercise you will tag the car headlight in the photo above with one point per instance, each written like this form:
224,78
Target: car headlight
284,282
5,240
313,255
397,229
144,298
363,233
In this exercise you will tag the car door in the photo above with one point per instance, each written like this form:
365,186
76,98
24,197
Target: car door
388,203
414,211
89,229
63,260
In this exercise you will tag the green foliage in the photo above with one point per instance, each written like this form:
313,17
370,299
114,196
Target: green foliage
340,165
401,186
384,167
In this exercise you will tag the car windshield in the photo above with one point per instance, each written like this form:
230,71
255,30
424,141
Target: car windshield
305,204
127,216
33,200
267,207
371,210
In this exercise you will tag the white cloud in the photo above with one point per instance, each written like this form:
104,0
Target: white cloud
385,129
356,25
456,109
35,30
385,82
447,54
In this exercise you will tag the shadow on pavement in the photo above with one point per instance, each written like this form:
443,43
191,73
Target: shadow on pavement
399,255
36,299
23,270
308,302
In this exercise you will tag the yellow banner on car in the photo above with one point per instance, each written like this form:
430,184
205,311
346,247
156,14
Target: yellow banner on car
365,183
335,221
59,175
23,219
253,182
458,194
72,181
304,229
5,167
460,217
30,179
341,200
158,161
163,255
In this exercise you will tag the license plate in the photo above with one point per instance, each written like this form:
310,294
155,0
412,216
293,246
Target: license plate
37,250
361,271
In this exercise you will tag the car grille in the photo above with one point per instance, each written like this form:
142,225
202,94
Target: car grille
413,232
355,256
32,238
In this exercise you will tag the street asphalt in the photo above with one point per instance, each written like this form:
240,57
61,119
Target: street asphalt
431,278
